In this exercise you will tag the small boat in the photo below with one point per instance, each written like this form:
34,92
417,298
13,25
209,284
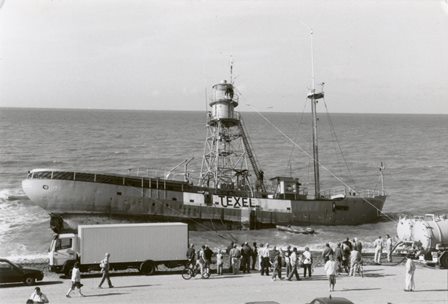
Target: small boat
296,229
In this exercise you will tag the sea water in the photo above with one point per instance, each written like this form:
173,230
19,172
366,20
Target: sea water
351,148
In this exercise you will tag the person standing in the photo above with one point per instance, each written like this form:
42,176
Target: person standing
265,264
246,253
201,259
229,249
355,259
105,271
208,253
235,255
276,265
410,270
219,262
308,261
76,281
191,256
38,296
254,255
378,250
294,261
338,254
327,252
346,257
330,269
389,248
288,265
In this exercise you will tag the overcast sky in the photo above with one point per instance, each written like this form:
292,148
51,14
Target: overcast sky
375,56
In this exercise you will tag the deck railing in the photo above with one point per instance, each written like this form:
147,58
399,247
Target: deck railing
328,193
139,182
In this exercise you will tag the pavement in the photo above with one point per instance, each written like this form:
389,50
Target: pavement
380,284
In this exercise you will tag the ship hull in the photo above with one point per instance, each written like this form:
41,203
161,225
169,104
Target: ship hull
159,201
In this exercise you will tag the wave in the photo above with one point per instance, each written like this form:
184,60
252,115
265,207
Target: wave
12,194
41,258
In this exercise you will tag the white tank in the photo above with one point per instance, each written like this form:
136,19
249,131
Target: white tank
429,230
404,229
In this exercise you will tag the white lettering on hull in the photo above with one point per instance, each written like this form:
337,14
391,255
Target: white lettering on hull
236,202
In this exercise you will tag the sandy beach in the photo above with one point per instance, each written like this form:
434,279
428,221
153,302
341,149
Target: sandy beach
380,284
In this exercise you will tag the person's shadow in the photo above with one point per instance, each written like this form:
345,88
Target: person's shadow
106,294
37,284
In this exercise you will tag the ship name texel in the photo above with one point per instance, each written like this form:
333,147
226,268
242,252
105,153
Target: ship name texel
235,202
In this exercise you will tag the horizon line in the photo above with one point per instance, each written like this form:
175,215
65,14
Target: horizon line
166,110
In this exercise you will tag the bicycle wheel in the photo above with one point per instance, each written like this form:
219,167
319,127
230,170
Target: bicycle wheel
187,273
206,275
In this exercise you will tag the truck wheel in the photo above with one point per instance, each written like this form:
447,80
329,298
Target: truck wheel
148,268
444,260
29,281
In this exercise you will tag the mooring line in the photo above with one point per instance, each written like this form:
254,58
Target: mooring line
311,157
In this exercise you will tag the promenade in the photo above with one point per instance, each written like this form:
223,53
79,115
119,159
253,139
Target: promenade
380,284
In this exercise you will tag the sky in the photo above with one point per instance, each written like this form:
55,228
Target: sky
375,56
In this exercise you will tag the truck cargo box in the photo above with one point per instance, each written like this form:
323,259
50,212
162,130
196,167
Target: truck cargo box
133,242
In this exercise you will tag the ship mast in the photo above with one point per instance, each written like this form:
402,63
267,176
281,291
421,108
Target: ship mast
314,98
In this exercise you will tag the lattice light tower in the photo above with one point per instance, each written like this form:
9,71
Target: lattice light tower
227,148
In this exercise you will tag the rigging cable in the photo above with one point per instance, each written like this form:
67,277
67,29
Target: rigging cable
299,123
333,133
310,156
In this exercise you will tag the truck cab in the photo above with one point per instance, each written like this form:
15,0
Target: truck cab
63,252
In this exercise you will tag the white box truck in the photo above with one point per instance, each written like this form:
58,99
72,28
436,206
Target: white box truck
139,246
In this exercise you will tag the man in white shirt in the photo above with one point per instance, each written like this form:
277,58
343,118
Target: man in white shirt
38,297
265,264
105,271
389,248
76,281
293,260
410,270
330,269
307,261
355,259
378,250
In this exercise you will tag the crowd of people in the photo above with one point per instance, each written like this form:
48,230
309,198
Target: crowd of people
345,257
286,263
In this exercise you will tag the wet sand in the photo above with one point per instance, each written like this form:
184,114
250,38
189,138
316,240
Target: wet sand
380,284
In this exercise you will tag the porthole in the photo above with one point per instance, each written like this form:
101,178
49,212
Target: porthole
45,187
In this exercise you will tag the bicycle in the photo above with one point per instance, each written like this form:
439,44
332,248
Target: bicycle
192,271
